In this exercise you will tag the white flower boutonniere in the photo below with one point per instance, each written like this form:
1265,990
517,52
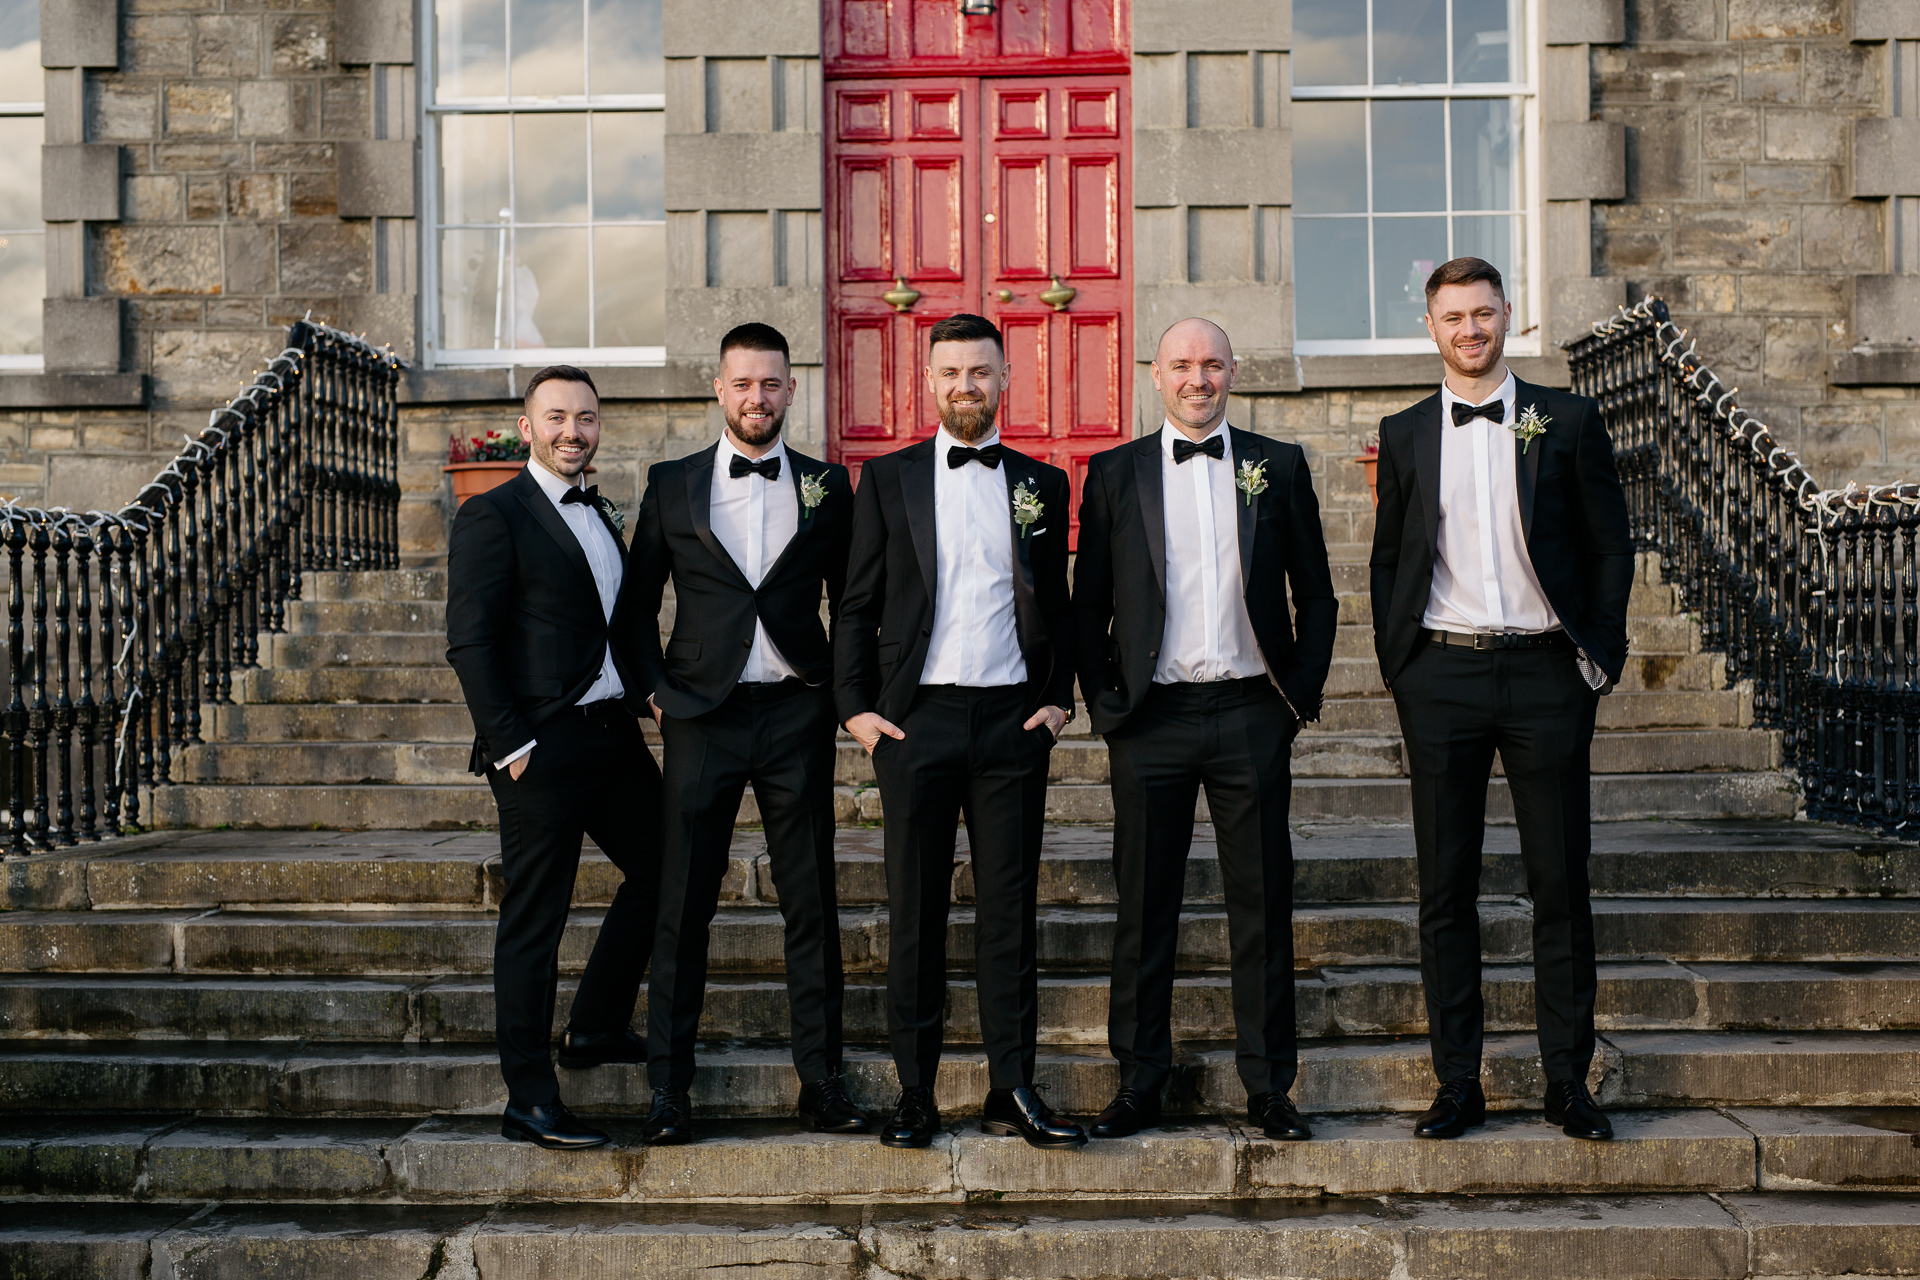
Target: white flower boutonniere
1532,423
1252,479
812,492
1027,507
615,516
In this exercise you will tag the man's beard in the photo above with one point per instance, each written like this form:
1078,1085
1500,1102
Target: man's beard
1489,358
549,457
967,422
756,436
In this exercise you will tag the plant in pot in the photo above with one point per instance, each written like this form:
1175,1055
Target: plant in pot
480,463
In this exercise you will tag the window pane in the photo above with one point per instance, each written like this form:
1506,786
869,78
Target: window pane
473,168
549,48
630,286
1483,150
23,283
1330,278
1405,252
625,47
475,309
550,168
627,171
1409,41
1498,241
550,287
20,55
470,45
1329,157
1329,42
20,174
1409,156
1482,42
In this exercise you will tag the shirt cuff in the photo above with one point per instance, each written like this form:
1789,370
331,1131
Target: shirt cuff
502,764
1589,670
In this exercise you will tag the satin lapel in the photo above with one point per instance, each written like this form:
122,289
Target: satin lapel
1526,466
535,500
798,469
1026,602
916,490
1153,510
1245,450
1426,470
700,507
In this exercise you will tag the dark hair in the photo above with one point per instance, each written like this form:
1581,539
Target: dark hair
754,336
1464,271
965,327
556,373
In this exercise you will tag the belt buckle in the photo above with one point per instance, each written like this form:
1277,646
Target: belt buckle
1485,640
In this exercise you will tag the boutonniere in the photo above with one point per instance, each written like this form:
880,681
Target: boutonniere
615,516
1252,479
1531,423
812,492
1027,507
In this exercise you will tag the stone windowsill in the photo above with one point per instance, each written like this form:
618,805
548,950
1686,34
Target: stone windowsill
1877,368
472,386
1334,373
73,390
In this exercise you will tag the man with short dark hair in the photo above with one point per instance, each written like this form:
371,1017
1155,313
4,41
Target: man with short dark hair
751,531
534,571
953,668
1502,561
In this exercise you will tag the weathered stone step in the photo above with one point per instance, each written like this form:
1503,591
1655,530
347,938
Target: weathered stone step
354,649
1702,709
466,1159
445,722
1331,1002
349,684
379,584
257,763
1634,1069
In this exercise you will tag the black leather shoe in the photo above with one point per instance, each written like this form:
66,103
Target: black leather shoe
1275,1116
1570,1106
670,1122
915,1120
1022,1113
582,1049
1130,1111
551,1126
1458,1106
825,1102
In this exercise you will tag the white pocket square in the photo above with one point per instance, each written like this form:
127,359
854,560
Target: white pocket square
1034,533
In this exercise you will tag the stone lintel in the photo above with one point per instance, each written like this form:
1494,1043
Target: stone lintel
1585,21
721,171
740,28
80,33
1585,159
373,31
82,335
503,386
1886,310
1876,20
1886,156
1334,372
73,390
1891,368
376,179
80,182
1211,26
1212,167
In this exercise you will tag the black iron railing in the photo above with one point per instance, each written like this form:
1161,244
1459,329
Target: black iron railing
122,625
1810,593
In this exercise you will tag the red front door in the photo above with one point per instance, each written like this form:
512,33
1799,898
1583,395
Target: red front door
973,193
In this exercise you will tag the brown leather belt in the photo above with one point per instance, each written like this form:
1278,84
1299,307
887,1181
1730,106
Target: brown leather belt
1498,639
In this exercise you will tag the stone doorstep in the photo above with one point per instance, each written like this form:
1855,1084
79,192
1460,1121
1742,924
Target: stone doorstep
1570,1237
465,1158
1658,1069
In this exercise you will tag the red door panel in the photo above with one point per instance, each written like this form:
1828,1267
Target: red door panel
932,37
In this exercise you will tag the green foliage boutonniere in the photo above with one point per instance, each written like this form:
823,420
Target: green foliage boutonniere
1252,479
1532,423
812,492
615,516
1027,507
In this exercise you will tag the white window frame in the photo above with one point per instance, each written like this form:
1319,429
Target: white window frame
1524,338
28,363
434,356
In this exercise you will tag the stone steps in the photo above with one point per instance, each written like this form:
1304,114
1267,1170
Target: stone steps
1633,1069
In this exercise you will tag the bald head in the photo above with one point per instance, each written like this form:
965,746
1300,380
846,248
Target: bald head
1192,335
1193,372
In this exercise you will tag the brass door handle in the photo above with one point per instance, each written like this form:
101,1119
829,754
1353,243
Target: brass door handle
900,297
1059,296
1005,295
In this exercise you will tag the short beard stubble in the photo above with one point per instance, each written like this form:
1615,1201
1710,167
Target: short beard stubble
764,435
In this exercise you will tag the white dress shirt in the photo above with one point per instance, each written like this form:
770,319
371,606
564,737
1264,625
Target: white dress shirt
1483,579
603,557
974,639
755,518
1208,634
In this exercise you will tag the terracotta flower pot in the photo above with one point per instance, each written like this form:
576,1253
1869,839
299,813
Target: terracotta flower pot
1371,461
470,478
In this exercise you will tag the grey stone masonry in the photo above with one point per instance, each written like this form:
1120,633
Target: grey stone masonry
79,33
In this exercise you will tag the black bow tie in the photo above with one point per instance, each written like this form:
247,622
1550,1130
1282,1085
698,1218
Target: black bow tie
1212,446
960,456
768,466
589,495
1494,411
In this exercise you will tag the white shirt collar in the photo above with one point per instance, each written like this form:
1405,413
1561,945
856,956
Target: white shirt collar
555,487
943,442
1169,433
723,457
1508,392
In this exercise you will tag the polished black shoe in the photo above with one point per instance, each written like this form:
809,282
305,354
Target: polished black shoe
551,1126
1130,1111
582,1049
1021,1112
670,1122
915,1120
1458,1106
1275,1116
1570,1106
825,1102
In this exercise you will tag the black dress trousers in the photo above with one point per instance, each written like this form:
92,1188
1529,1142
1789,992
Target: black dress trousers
964,752
591,773
1234,738
1457,707
779,737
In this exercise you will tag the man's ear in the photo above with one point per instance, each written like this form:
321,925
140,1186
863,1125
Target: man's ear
526,428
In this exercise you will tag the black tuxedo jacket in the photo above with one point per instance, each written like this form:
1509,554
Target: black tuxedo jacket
886,620
525,629
1573,513
1120,581
715,607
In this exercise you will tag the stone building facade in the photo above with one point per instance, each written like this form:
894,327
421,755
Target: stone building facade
214,169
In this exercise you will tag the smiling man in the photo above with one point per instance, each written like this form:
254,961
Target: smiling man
1501,566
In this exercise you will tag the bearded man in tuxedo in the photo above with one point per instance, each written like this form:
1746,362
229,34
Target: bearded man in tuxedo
953,667
751,531
1502,561
1191,539
534,575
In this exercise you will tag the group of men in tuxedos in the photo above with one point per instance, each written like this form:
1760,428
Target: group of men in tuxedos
1200,626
